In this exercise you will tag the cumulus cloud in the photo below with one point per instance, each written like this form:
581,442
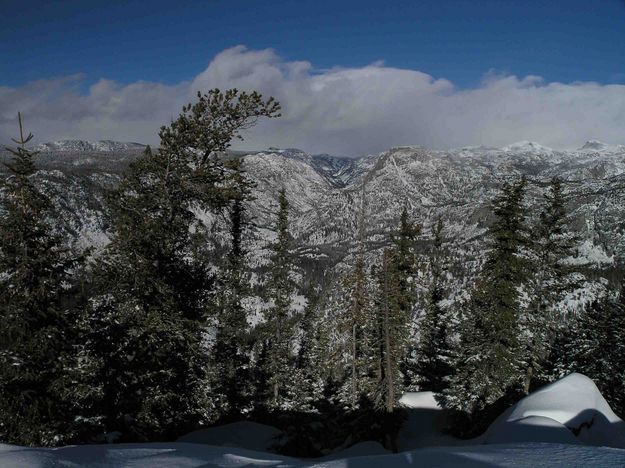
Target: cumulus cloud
348,111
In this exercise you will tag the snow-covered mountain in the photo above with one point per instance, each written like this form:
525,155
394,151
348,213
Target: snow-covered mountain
325,194
87,146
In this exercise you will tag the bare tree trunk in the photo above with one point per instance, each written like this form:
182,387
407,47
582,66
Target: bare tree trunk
529,373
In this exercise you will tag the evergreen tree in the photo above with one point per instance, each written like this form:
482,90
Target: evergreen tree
355,319
310,367
385,359
149,321
35,338
434,354
278,327
230,353
393,313
404,258
551,244
387,341
594,345
486,365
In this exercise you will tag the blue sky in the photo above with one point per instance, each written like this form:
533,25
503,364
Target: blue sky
119,69
169,41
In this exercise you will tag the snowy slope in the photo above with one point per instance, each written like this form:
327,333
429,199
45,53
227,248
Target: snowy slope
325,194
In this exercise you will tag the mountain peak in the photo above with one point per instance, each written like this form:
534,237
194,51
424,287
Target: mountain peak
594,145
527,146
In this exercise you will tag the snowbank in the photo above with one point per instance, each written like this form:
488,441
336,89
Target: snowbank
572,404
244,434
565,424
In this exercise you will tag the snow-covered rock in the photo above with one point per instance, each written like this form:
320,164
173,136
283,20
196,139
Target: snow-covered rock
572,404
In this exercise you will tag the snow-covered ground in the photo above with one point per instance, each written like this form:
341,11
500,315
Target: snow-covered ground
565,424
165,455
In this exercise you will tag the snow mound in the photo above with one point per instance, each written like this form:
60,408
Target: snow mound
244,434
573,402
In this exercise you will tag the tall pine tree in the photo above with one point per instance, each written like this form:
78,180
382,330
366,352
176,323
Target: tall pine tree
393,313
36,334
278,327
155,280
230,353
551,244
487,362
355,318
433,354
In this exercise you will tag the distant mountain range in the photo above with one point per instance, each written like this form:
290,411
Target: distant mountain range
325,193
83,146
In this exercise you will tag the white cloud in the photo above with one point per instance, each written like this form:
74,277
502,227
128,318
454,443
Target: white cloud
349,111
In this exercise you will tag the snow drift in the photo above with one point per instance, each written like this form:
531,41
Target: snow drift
570,411
567,423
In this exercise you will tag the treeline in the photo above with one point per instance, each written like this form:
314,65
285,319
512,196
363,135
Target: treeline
151,338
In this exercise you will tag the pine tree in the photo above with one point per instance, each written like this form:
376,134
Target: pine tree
551,244
230,353
393,312
149,320
386,362
433,354
278,328
387,340
486,365
594,345
355,319
404,257
35,337
310,362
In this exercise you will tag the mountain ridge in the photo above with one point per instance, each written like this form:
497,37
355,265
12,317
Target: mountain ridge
325,195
